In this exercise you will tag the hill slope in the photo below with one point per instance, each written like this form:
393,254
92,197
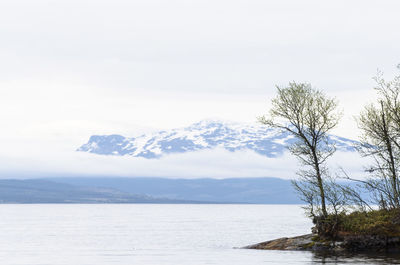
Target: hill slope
234,190
46,191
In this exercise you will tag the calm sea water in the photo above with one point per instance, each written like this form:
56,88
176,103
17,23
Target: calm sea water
121,234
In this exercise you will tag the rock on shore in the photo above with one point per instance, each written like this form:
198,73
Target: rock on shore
303,242
350,243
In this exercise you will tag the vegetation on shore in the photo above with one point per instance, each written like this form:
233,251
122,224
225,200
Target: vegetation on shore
381,222
339,211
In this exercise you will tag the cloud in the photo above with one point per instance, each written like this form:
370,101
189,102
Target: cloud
52,160
70,69
122,63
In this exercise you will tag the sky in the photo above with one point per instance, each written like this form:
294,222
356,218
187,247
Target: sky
70,69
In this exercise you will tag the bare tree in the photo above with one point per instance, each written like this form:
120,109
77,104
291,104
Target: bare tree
380,140
308,115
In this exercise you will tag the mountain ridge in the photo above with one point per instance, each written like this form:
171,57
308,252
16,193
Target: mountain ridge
206,134
50,191
266,190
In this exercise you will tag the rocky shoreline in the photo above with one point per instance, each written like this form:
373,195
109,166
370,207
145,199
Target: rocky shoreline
350,243
286,243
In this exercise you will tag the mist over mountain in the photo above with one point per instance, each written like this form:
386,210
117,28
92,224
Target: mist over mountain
206,134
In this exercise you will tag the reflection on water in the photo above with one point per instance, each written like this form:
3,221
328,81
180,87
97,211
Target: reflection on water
353,258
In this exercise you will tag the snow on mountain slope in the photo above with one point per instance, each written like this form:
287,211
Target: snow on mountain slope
205,134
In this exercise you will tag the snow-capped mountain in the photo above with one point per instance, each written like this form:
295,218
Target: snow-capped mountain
207,134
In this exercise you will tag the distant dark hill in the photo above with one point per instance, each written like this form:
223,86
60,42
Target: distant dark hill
239,190
45,191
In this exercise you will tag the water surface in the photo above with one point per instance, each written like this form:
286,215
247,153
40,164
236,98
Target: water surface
160,234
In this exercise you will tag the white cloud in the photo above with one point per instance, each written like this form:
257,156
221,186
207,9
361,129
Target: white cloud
54,159
70,69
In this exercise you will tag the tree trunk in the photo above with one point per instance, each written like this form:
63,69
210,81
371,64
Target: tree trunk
391,157
322,193
320,183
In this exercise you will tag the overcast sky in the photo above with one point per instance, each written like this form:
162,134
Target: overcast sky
69,69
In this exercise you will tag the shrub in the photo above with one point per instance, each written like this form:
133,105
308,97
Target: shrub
376,222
